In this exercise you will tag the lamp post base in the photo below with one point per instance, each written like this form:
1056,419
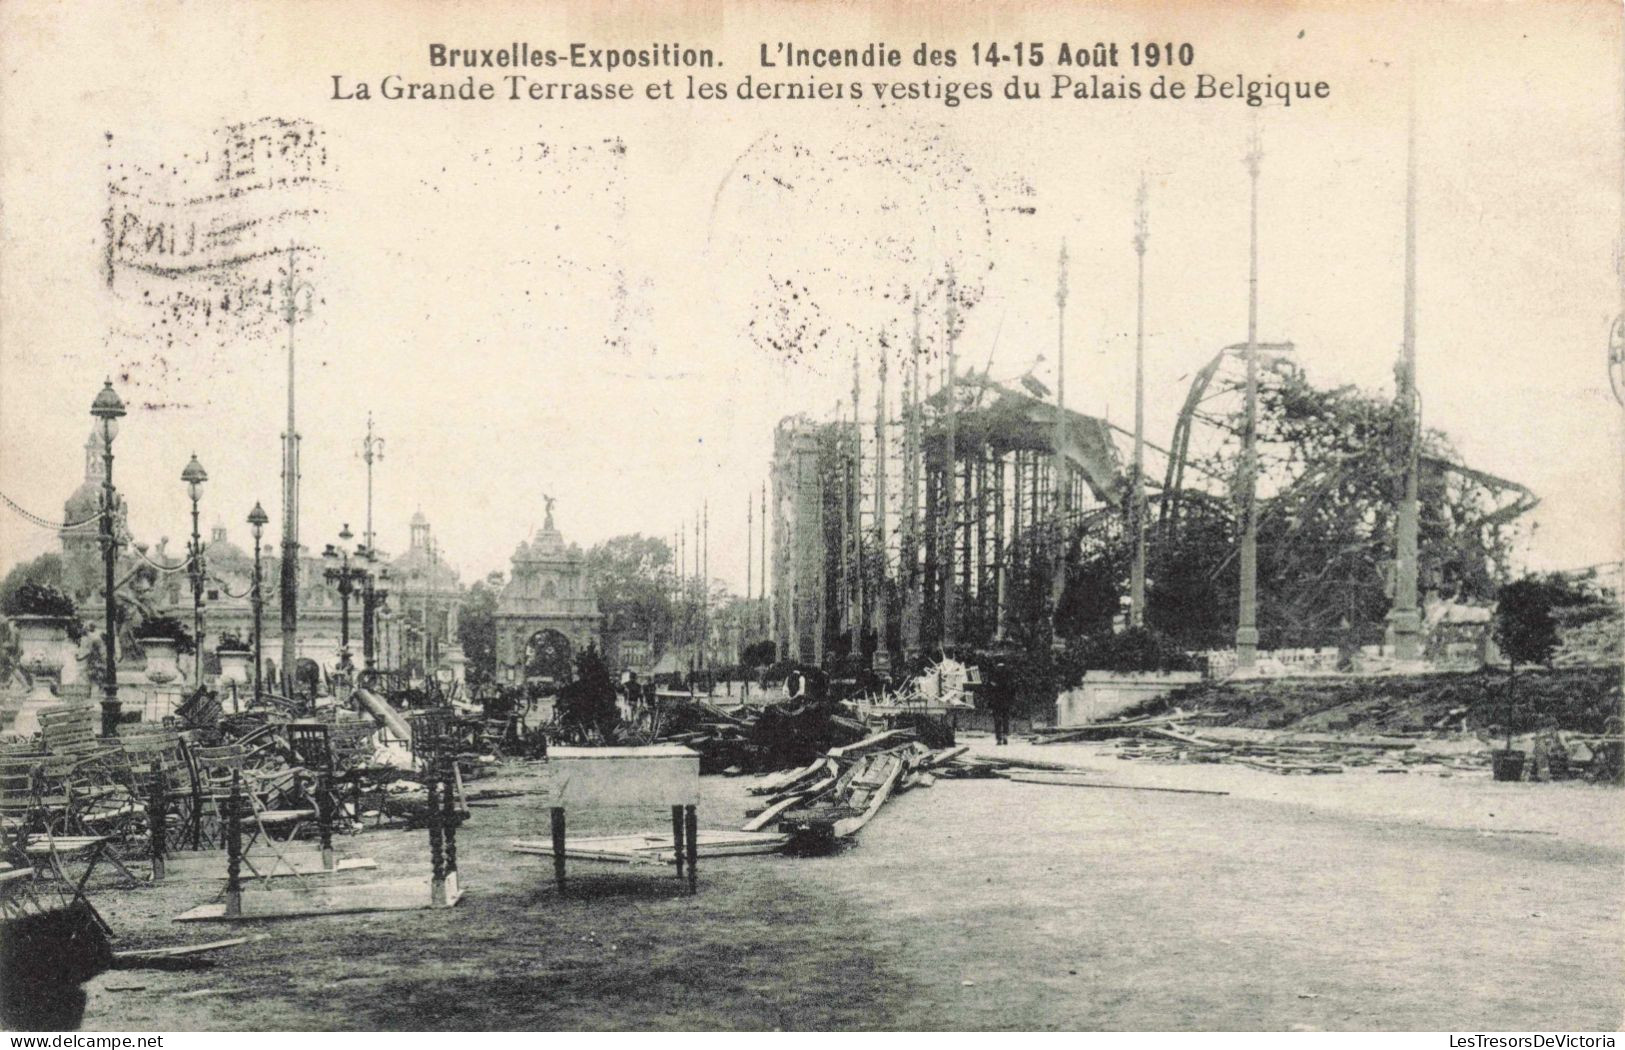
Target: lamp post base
112,711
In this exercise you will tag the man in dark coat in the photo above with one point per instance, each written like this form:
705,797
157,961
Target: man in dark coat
1001,697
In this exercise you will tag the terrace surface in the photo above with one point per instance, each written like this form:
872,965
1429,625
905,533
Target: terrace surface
1334,902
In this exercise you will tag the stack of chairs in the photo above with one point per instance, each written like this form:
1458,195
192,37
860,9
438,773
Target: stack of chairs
154,761
65,806
271,798
84,769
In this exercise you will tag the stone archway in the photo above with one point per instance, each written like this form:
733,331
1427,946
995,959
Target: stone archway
548,654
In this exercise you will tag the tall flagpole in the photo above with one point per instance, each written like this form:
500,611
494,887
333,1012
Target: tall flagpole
766,618
882,594
289,570
1058,468
1404,619
950,472
1142,233
1247,621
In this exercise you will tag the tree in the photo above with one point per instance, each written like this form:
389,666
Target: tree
588,702
477,629
1526,631
759,654
631,575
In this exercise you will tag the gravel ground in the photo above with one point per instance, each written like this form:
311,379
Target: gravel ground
1360,901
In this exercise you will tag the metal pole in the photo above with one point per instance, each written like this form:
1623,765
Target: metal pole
1404,619
950,617
909,551
372,448
1058,481
344,615
1137,574
259,607
289,590
860,621
705,595
110,700
1247,622
750,540
882,594
197,598
765,563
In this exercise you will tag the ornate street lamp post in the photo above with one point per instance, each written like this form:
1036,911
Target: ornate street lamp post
372,596
385,618
107,408
257,520
345,576
194,475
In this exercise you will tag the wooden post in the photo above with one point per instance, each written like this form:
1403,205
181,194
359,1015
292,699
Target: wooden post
558,846
677,837
451,820
158,819
234,847
692,831
437,859
324,818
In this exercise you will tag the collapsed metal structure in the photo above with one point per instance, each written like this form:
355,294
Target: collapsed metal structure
933,530
948,520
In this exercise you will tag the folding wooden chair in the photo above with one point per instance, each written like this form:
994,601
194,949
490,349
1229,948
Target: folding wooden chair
71,729
158,775
31,838
259,790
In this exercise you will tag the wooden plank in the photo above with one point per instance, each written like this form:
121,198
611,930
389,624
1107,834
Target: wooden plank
873,741
303,866
1182,737
947,754
653,848
403,895
178,950
887,779
765,817
1039,778
778,782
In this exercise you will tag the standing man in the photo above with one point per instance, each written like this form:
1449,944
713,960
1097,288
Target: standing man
1000,699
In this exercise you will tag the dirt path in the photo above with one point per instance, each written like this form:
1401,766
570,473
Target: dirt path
1286,904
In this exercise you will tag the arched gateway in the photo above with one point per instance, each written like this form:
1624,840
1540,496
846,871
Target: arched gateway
547,612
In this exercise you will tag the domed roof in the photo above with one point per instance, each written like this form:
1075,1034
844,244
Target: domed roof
85,503
86,500
220,553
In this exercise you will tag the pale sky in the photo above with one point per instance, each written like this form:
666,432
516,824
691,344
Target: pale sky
589,300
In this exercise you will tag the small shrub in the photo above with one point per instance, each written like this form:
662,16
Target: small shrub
39,599
166,627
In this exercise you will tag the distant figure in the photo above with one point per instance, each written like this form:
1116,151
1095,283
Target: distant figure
1000,699
634,691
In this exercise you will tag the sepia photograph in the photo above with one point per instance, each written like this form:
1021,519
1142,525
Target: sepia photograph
812,517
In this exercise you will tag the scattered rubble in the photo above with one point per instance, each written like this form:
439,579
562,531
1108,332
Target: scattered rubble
1166,738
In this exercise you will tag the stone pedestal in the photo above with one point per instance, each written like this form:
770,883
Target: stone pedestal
160,653
1105,694
235,666
457,663
44,650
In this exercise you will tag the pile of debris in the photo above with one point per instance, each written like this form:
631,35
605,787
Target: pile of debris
1166,738
754,740
835,795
